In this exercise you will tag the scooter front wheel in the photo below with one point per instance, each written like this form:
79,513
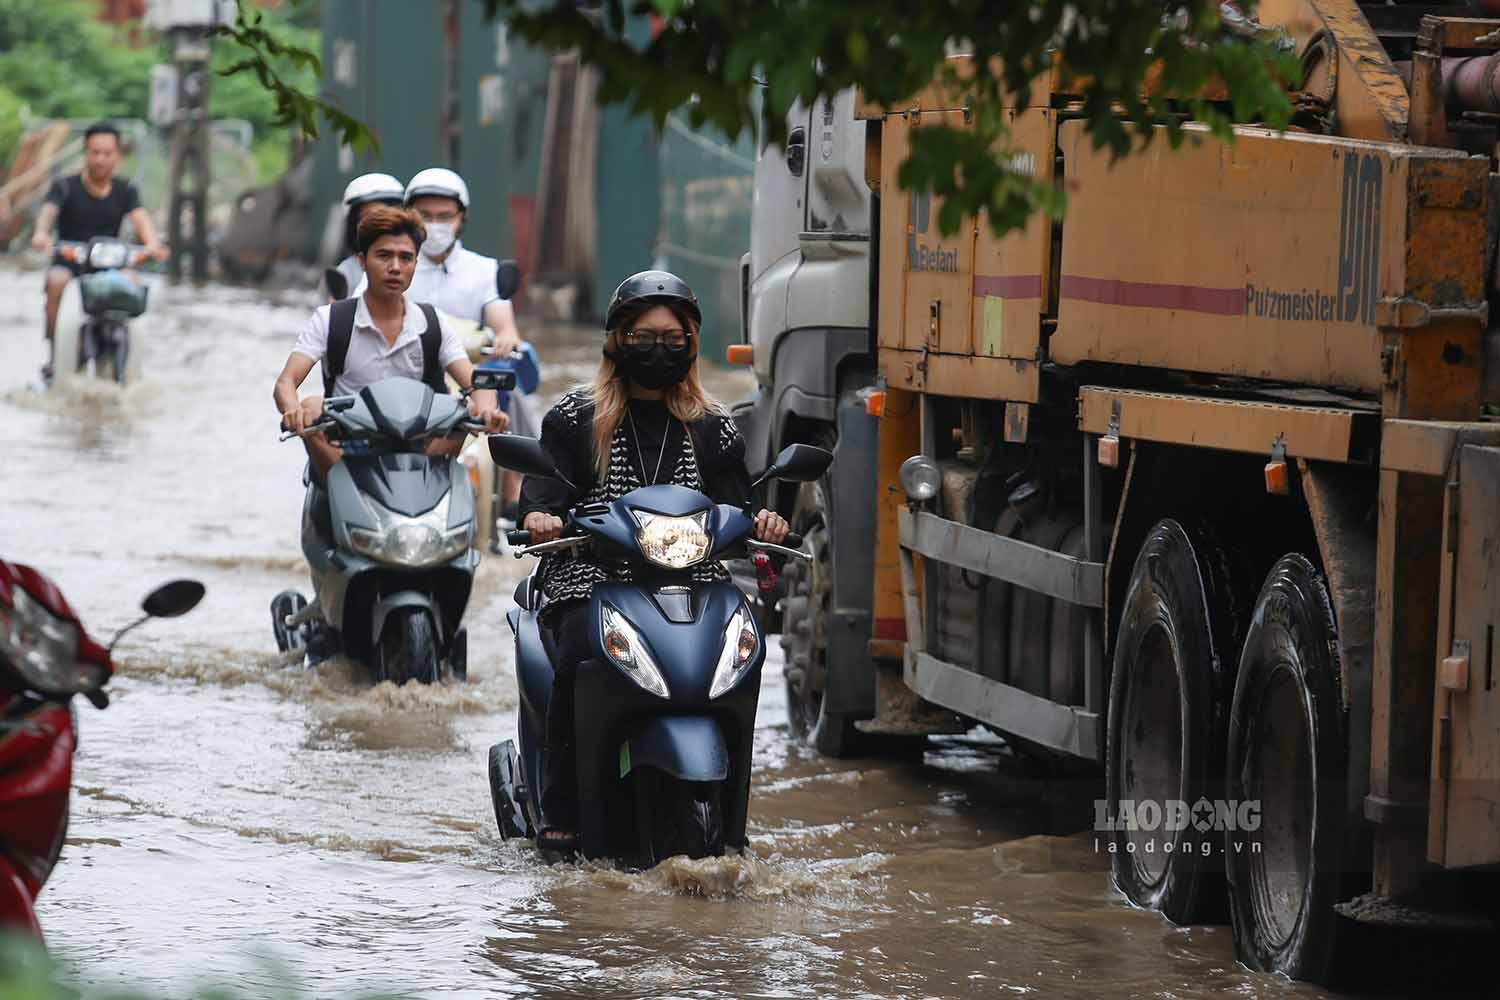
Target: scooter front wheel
676,817
408,648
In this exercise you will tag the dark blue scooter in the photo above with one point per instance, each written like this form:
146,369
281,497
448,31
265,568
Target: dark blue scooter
664,711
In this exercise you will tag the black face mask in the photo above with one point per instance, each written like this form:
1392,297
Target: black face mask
655,367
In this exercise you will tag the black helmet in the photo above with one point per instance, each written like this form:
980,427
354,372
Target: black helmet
652,288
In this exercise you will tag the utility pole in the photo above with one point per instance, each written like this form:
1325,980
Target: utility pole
188,27
451,116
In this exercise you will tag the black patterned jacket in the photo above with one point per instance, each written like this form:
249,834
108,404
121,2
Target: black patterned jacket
649,445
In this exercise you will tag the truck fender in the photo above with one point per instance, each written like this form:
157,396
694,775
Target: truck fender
688,747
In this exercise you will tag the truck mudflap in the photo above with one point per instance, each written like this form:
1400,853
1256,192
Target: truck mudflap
1465,790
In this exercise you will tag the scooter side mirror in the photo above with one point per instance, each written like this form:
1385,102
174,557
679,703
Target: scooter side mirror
525,455
491,378
507,278
338,285
172,599
797,463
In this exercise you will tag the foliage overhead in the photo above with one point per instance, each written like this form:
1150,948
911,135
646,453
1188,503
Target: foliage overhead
284,64
720,61
709,57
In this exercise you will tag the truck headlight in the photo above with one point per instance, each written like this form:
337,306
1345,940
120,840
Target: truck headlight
43,648
920,478
626,650
673,542
735,656
425,540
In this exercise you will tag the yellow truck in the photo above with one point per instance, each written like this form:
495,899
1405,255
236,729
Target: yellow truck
1196,484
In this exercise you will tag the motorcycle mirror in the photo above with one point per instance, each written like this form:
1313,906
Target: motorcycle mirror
797,463
507,278
167,601
524,454
173,599
338,285
338,404
492,378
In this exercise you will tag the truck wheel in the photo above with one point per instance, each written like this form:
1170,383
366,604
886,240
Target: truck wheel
804,638
1287,753
1167,719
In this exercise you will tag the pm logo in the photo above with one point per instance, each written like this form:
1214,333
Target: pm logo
919,256
1359,239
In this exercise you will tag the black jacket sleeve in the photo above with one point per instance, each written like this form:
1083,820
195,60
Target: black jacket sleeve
725,479
565,437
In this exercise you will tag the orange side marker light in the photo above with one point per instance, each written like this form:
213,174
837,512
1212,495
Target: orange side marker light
875,403
740,354
1109,451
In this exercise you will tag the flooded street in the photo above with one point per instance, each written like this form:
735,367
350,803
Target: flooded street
242,822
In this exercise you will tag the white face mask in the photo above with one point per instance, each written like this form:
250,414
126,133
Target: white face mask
440,236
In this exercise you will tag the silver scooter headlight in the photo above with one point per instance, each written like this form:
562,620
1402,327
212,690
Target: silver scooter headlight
425,540
108,256
737,653
627,650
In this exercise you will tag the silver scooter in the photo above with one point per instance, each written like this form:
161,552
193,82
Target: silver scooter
389,539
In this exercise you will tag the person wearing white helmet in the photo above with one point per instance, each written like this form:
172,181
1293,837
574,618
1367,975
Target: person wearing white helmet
364,190
461,283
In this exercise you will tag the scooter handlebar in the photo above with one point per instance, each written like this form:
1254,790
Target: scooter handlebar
785,550
792,540
517,538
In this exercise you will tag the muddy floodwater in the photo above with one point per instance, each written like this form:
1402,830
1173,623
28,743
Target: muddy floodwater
242,822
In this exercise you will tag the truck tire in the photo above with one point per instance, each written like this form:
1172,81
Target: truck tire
804,638
1169,687
1287,752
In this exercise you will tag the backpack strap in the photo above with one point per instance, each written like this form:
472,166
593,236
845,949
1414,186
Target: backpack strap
432,345
340,332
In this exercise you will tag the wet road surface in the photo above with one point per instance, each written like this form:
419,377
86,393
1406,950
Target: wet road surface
241,822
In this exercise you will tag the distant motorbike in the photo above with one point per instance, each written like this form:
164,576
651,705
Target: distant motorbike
46,658
388,541
665,710
92,336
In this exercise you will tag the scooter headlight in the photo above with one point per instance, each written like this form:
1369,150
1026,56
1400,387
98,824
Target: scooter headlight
673,542
43,648
626,650
737,653
108,256
425,540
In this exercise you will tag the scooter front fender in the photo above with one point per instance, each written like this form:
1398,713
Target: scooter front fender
401,599
688,747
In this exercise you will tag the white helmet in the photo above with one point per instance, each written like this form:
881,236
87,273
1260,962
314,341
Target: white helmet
440,182
373,187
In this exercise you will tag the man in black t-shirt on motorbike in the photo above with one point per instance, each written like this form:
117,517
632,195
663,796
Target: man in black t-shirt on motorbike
88,204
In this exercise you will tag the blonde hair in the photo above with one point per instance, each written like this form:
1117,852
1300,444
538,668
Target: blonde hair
610,394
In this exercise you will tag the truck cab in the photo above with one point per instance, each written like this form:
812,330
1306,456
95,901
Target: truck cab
805,314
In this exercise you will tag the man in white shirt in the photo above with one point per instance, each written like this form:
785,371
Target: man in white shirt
391,334
461,283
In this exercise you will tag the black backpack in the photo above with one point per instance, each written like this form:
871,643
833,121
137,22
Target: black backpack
341,331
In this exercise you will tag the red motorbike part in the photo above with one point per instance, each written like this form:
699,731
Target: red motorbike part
36,772
765,576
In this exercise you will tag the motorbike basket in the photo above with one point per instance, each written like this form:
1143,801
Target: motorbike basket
112,291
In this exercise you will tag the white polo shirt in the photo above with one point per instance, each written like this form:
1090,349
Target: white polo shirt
461,285
370,358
